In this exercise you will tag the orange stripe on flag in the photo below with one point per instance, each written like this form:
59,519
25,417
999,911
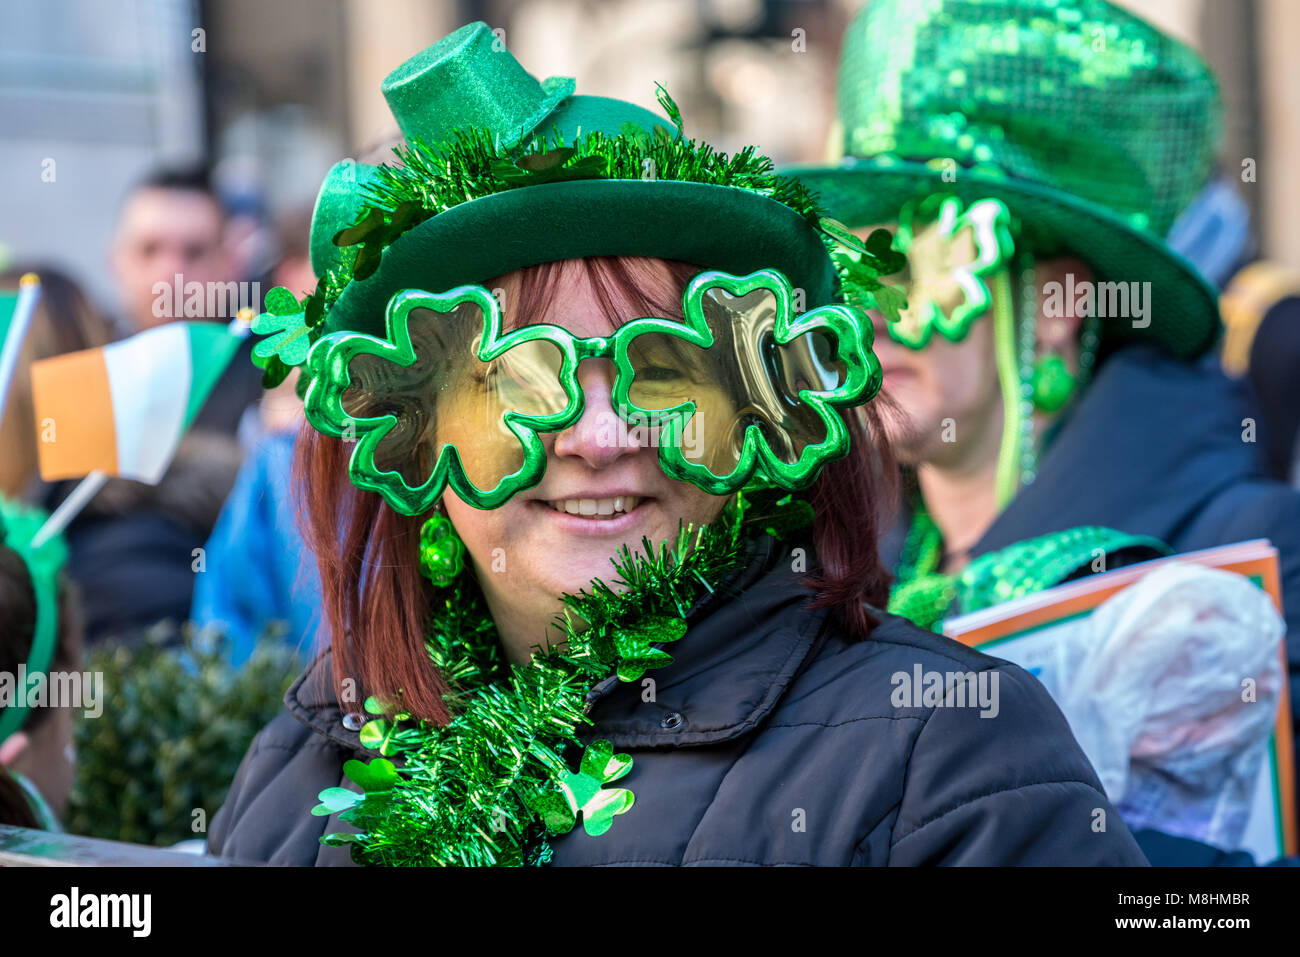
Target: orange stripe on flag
74,415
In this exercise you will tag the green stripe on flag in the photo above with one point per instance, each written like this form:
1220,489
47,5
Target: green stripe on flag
8,303
212,347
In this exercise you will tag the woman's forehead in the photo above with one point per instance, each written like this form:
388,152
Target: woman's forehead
577,306
590,303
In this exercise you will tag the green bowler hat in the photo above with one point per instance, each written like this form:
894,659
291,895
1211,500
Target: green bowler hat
1092,126
468,81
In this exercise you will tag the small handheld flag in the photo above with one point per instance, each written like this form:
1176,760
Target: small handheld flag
122,409
15,319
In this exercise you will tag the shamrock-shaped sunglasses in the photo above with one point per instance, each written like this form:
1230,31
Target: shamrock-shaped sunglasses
742,389
950,254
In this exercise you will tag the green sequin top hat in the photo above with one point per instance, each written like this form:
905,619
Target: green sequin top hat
476,199
1092,126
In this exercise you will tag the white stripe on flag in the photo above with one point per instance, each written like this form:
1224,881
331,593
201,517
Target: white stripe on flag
149,377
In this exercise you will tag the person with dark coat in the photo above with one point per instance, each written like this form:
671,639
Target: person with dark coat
136,549
1187,477
1048,363
728,691
773,740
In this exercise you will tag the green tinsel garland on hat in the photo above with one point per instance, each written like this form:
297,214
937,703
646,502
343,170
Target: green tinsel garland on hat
435,178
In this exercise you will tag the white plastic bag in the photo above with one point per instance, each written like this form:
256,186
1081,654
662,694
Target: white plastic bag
1172,691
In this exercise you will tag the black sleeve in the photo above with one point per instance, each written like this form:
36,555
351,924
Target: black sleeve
1010,787
267,814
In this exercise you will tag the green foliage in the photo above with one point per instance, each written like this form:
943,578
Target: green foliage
176,723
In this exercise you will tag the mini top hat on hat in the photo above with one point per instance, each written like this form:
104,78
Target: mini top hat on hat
1093,127
503,171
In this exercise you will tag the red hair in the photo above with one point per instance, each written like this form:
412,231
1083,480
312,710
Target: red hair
375,601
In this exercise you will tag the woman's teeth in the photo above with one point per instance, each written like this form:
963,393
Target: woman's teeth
596,507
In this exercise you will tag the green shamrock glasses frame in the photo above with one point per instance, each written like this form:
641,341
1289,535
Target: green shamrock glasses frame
327,371
935,233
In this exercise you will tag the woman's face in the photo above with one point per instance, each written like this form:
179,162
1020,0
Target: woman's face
947,392
603,487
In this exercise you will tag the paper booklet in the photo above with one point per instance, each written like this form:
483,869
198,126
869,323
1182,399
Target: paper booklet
1034,632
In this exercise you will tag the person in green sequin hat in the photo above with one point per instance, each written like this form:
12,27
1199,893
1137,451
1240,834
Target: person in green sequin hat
1055,419
560,348
1031,155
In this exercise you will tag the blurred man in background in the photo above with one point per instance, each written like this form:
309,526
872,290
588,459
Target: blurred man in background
136,548
171,234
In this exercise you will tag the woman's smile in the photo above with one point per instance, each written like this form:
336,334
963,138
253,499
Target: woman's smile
593,514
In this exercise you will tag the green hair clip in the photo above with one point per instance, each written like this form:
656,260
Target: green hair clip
768,380
18,526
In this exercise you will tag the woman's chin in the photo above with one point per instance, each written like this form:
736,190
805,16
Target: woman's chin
570,553
573,570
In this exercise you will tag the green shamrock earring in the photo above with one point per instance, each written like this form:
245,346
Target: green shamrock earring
1052,383
442,553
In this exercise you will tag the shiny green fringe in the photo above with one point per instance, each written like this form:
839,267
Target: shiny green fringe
460,794
433,179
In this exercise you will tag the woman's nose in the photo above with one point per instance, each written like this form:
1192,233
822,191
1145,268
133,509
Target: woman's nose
600,436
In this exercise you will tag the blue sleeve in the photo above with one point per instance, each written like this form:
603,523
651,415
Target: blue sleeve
253,571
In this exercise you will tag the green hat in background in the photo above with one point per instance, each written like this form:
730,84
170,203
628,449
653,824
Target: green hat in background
1094,129
501,171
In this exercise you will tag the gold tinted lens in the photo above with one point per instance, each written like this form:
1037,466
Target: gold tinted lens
448,396
930,278
744,379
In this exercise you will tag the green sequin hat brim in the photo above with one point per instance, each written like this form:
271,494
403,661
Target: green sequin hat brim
1184,316
715,227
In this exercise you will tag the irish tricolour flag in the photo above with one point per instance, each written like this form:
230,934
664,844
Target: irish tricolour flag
122,409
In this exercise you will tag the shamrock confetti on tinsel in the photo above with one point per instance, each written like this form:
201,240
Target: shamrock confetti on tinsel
584,792
376,230
534,169
287,341
494,783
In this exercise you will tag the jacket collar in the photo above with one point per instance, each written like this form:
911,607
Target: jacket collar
744,645
311,700
1179,446
745,642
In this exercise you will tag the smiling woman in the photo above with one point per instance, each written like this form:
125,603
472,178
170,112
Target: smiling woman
553,538
598,529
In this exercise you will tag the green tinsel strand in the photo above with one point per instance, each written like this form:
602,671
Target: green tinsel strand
460,795
470,167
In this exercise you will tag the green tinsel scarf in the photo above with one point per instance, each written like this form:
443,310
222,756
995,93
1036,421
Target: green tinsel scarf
485,789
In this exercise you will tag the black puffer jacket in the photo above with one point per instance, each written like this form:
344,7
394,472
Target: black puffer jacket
770,740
